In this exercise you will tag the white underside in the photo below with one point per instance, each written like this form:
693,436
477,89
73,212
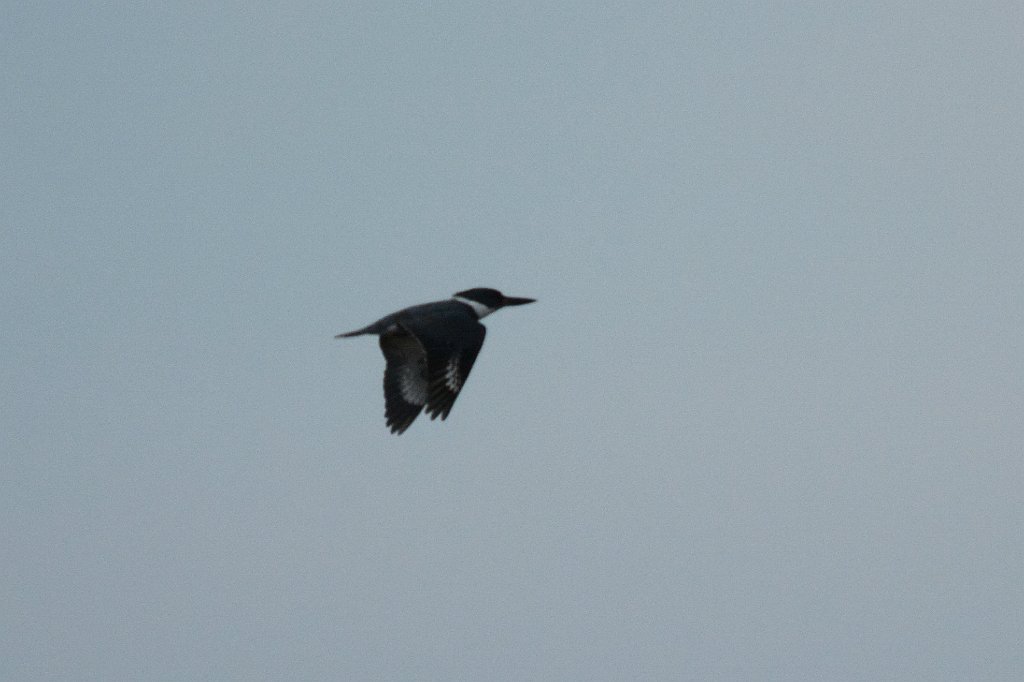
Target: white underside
480,309
412,385
451,374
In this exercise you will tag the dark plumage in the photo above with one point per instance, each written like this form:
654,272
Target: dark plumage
430,350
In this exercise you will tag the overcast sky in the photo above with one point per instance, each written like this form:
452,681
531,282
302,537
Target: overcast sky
766,420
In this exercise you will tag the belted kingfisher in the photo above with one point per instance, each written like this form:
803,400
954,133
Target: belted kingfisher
430,349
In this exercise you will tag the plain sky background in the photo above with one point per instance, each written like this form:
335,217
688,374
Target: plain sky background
765,421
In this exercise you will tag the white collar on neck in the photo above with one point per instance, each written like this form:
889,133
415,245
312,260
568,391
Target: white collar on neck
480,309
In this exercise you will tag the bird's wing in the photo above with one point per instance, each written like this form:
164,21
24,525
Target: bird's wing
450,357
405,378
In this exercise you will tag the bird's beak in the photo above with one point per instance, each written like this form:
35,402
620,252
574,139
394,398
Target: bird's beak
512,300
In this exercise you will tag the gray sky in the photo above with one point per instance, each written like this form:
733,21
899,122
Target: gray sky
765,421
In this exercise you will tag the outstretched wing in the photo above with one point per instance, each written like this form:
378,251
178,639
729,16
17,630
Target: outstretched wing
405,378
450,358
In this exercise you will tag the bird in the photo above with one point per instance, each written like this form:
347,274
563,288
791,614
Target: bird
430,349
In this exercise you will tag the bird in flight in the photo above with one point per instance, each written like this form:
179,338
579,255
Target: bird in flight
430,349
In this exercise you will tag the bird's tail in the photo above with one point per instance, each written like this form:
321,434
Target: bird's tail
370,329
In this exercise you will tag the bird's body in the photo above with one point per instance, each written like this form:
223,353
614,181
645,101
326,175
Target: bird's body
430,350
